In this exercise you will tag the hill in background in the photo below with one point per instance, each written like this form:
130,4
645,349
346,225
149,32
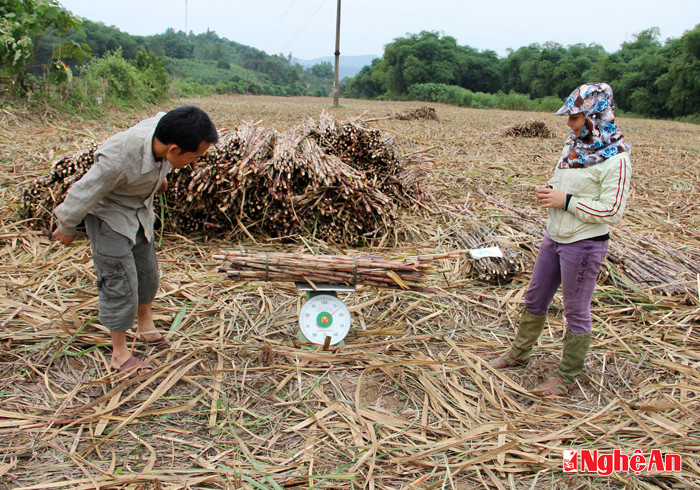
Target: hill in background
205,59
349,65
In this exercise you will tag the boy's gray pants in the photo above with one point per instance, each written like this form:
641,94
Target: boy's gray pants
127,273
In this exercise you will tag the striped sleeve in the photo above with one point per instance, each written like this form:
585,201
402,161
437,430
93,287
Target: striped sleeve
614,191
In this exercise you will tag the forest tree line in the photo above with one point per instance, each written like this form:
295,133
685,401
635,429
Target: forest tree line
650,78
47,52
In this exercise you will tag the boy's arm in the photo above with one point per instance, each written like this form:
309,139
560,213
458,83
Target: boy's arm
99,181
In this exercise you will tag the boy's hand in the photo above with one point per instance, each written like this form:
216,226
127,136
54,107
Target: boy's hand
64,239
163,187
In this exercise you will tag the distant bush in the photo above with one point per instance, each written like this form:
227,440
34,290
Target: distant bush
548,104
210,71
692,119
454,95
231,87
481,100
513,101
189,88
113,79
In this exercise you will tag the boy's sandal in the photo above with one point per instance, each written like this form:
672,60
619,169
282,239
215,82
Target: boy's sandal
160,343
554,386
134,366
506,361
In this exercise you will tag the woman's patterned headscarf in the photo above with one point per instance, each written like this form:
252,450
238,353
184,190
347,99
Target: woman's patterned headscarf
600,138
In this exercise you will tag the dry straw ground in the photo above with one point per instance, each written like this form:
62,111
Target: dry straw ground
408,401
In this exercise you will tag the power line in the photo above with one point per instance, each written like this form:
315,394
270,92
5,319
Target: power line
279,24
306,22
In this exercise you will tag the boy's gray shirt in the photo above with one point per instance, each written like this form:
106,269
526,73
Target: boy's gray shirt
120,187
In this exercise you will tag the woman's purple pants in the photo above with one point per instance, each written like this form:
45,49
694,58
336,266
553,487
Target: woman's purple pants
574,266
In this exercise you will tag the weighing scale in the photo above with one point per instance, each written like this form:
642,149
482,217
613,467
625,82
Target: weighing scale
323,319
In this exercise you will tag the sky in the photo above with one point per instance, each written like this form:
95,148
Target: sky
306,29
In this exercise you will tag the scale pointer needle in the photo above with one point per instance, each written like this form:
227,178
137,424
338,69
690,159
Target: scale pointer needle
331,315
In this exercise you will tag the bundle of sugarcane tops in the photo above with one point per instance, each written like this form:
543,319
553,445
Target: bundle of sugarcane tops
495,270
531,129
424,112
407,273
340,181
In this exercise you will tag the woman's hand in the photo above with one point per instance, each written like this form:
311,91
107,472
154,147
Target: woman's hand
550,198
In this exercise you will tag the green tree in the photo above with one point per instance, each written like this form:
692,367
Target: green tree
103,39
153,74
420,58
681,84
545,70
572,70
517,66
156,45
431,57
646,40
367,84
322,70
478,72
633,72
23,24
177,45
114,77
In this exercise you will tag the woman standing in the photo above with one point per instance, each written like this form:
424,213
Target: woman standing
587,193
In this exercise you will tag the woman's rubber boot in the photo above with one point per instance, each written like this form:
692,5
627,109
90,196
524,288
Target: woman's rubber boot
575,349
529,330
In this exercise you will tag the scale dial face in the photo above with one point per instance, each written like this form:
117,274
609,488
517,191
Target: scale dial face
324,316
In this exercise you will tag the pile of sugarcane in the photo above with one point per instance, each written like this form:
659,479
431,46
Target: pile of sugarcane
494,270
43,194
363,148
374,154
531,129
351,270
663,267
339,181
670,267
424,112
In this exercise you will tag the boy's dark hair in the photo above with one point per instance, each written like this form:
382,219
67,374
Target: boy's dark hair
186,127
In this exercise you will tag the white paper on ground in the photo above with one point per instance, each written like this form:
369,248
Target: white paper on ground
480,253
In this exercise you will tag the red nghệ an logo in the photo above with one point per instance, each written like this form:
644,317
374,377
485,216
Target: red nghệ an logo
604,464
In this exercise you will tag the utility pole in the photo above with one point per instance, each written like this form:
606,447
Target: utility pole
337,58
185,18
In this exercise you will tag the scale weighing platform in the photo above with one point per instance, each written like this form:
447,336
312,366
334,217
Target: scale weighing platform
323,319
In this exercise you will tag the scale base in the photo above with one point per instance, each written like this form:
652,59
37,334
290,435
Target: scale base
303,340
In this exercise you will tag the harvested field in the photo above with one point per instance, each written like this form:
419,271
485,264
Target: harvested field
409,401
